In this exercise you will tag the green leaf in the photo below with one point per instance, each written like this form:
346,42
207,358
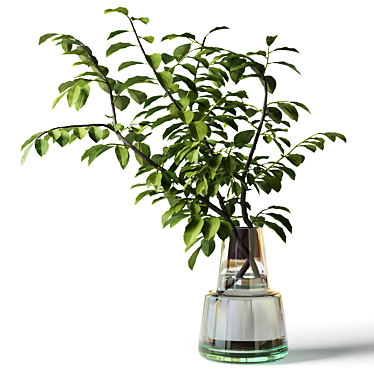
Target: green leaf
278,230
116,47
193,243
211,227
162,120
54,134
229,165
150,100
187,117
202,61
290,110
259,53
122,154
95,133
191,85
274,113
82,98
311,147
73,95
151,179
27,150
286,49
333,135
166,216
55,102
218,28
122,102
251,112
285,141
192,230
296,159
45,37
134,80
198,130
274,183
270,40
143,19
41,147
288,171
173,36
174,220
214,164
244,137
166,79
127,64
114,33
224,230
271,83
192,69
192,259
80,132
154,60
138,96
90,73
27,142
264,186
95,151
64,138
154,110
301,105
181,51
279,207
149,39
143,194
119,10
166,58
200,187
144,148
184,102
64,86
208,247
287,64
214,187
283,220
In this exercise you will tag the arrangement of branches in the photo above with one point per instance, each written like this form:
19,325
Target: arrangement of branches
200,159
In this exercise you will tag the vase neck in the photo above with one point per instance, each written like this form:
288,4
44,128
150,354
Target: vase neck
233,260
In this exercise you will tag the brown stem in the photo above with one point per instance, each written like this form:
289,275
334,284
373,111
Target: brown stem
242,246
251,153
154,71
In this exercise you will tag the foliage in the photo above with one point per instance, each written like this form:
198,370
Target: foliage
210,133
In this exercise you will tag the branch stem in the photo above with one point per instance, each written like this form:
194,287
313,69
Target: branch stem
154,70
285,155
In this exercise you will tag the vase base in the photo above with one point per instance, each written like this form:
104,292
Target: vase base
244,357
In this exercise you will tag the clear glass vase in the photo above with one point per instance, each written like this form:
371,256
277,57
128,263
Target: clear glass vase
243,321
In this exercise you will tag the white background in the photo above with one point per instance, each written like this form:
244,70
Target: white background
90,283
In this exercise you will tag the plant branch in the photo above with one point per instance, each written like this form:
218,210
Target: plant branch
105,79
285,155
251,153
242,247
154,70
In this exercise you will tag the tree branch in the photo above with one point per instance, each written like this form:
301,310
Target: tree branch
154,71
105,79
251,153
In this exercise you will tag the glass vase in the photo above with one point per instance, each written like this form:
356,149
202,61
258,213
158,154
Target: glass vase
243,321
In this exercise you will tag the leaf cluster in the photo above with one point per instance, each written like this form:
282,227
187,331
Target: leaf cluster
210,130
